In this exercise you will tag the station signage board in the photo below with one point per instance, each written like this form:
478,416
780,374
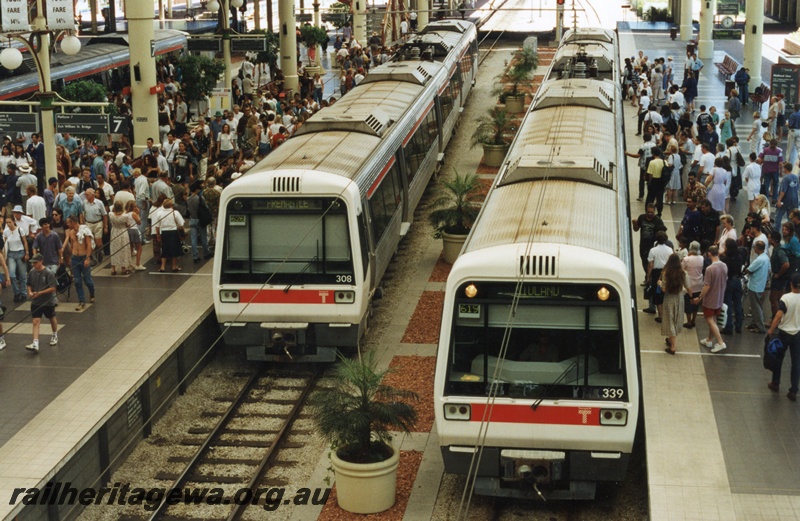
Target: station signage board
728,8
82,124
785,79
60,15
249,44
726,34
19,122
204,44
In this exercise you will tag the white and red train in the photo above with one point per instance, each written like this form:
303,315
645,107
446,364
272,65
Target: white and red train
537,382
306,235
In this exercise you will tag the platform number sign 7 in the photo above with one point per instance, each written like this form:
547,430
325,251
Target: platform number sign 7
119,125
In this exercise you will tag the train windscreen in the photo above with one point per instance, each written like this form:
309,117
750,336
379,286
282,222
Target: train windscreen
537,341
286,241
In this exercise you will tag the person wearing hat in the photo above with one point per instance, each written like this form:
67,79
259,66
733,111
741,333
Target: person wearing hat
27,226
26,178
42,292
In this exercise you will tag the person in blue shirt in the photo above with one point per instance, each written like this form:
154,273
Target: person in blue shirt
758,271
790,242
742,79
787,193
697,66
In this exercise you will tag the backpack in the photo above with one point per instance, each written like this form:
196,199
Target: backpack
774,349
666,172
63,279
204,217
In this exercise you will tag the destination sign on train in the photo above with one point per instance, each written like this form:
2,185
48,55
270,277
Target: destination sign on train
288,204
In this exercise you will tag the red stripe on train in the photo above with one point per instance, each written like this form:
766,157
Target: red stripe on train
293,296
544,414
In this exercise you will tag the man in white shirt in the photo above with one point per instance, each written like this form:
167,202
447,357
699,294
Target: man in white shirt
163,165
170,147
36,207
181,115
27,225
706,162
656,260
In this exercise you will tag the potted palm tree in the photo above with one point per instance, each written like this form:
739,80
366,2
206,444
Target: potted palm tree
355,416
455,209
491,134
519,73
312,36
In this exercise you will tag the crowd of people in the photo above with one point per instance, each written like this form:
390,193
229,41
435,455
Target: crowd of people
694,154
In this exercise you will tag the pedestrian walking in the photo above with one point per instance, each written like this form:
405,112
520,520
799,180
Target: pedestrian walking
4,282
692,265
787,194
80,238
42,292
787,323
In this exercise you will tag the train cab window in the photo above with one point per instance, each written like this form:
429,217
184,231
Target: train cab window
420,144
557,347
385,201
286,241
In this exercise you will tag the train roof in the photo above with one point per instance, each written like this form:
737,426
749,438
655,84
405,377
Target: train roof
564,142
557,212
97,54
588,34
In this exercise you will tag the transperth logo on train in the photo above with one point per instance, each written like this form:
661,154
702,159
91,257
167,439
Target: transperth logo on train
585,413
324,296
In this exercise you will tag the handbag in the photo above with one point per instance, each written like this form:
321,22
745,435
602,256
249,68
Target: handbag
666,172
648,291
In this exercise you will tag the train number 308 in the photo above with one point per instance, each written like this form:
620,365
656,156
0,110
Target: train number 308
347,279
613,393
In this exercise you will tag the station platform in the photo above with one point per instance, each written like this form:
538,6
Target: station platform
720,445
57,405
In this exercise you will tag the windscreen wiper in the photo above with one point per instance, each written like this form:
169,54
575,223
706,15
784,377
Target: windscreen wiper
308,265
535,405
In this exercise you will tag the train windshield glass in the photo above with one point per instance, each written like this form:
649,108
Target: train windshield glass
287,241
550,341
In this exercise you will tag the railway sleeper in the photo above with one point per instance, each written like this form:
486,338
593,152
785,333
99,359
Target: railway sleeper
201,478
216,461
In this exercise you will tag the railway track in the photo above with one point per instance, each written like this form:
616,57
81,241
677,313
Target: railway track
282,392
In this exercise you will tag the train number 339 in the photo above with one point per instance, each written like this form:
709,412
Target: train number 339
613,393
347,279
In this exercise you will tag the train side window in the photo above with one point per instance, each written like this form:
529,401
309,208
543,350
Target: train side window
433,128
418,146
455,83
446,102
385,201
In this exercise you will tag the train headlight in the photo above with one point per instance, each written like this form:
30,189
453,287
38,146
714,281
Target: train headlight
344,297
457,411
603,294
613,417
229,295
470,291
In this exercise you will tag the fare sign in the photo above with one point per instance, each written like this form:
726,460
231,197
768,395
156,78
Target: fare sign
14,14
60,14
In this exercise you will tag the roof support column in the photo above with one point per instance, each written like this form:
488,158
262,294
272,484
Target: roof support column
145,106
705,43
753,35
687,29
288,44
360,21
